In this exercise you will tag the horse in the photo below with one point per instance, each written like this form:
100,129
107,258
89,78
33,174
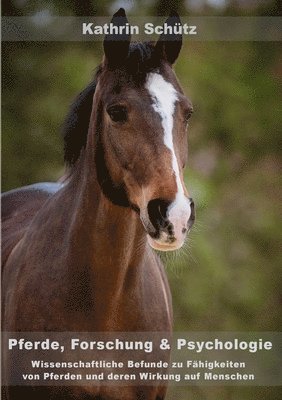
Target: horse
78,254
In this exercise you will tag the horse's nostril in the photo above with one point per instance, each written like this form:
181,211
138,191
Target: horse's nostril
184,230
192,215
157,210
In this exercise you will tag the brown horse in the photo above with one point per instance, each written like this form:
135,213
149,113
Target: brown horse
78,255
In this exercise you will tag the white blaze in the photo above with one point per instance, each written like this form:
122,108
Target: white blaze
164,98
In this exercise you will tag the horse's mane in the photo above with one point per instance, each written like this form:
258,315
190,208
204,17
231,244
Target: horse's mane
141,60
76,124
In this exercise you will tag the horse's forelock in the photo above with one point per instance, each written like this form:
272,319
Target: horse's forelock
142,59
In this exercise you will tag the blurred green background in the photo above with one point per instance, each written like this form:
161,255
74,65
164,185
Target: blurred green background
228,277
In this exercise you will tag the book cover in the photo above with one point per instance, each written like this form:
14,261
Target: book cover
141,229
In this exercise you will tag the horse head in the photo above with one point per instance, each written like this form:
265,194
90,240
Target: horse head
139,121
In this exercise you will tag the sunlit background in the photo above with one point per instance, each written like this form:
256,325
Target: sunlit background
228,277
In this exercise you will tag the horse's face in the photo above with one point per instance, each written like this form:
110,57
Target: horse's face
144,136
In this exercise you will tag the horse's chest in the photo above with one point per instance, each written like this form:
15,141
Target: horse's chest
143,306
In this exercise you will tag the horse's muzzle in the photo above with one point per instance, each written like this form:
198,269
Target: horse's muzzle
169,222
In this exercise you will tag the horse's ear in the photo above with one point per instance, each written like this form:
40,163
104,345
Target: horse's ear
116,46
169,44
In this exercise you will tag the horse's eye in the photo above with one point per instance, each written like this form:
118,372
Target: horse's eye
188,115
118,113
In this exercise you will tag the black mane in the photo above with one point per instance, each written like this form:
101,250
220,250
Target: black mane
141,60
76,124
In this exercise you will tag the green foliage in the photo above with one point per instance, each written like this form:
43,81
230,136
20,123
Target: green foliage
40,80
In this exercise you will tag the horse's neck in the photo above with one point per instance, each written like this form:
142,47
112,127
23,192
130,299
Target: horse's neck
106,244
112,233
